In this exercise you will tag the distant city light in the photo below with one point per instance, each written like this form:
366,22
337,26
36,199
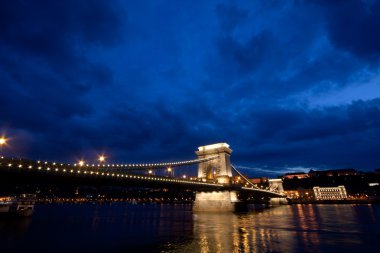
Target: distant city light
169,169
81,163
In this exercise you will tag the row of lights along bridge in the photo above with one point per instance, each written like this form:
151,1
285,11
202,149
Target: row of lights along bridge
101,159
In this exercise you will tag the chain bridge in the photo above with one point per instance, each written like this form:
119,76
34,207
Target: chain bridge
214,186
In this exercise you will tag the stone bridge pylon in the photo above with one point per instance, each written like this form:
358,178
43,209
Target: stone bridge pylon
219,168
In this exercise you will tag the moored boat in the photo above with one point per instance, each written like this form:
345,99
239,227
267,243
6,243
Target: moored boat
5,203
22,205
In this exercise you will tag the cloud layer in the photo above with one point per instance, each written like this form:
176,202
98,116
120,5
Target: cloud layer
279,81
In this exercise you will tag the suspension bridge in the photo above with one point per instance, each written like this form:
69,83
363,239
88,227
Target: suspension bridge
214,185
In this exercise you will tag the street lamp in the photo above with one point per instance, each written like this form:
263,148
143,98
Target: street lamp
3,141
81,163
170,172
102,158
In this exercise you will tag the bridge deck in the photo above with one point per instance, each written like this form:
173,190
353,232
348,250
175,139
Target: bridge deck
27,170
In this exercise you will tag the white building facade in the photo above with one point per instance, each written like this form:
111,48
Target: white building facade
330,193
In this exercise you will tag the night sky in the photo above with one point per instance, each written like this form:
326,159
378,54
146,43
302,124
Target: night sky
291,86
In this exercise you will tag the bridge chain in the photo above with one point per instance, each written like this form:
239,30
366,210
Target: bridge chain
128,166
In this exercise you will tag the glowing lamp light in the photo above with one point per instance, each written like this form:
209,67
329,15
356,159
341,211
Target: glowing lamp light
3,141
81,163
213,146
102,158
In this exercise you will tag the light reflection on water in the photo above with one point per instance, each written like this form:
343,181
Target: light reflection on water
297,228
174,228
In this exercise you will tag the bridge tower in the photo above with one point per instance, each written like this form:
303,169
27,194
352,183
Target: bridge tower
275,185
217,169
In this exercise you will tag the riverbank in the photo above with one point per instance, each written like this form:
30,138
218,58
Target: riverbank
334,201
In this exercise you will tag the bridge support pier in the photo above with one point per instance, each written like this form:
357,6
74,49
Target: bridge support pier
220,201
278,201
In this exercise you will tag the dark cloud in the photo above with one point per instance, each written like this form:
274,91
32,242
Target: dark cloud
354,26
246,58
46,27
317,137
153,82
290,56
44,71
230,16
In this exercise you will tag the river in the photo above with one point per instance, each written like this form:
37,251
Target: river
122,227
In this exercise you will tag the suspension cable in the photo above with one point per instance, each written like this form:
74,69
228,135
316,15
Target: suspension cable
242,176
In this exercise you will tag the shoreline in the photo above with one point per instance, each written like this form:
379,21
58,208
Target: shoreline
144,201
358,202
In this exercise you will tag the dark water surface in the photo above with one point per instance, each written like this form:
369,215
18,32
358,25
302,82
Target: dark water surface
124,227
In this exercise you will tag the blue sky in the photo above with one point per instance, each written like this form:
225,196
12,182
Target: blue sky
290,85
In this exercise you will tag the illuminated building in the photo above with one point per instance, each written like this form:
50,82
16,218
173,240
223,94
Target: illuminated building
300,194
332,173
330,193
298,175
260,180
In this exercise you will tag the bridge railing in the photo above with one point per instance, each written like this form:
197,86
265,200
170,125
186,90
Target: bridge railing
53,168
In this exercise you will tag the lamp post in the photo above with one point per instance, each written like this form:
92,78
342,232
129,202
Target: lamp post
3,141
102,158
170,172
